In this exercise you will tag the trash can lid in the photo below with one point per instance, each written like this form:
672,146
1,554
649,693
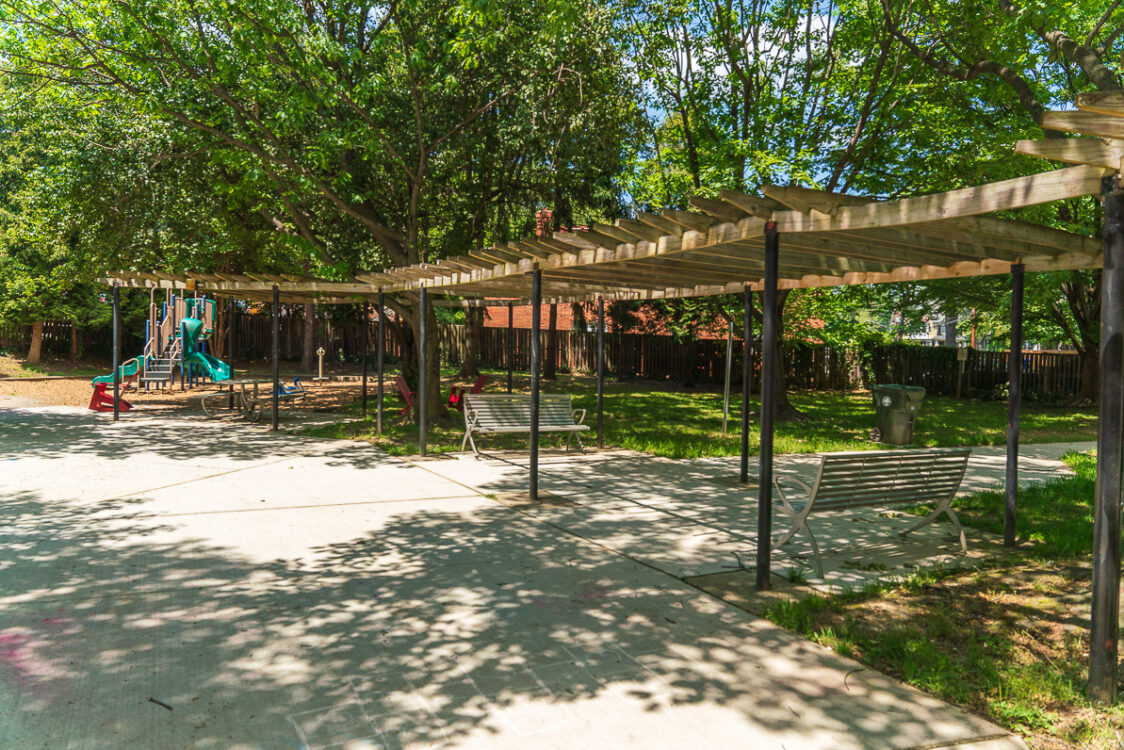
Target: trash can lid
890,387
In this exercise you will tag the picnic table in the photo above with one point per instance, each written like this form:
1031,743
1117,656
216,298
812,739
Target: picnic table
247,402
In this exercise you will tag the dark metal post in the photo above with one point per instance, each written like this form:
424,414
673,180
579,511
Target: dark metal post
729,374
536,323
1014,399
769,333
116,352
230,347
1110,432
276,352
380,360
747,377
175,332
600,372
510,343
422,366
365,329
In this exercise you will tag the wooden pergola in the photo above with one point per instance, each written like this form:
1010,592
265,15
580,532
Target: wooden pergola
732,244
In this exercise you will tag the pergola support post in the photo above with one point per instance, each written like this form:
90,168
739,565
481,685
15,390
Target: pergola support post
747,376
365,329
1014,404
536,323
116,352
729,374
230,346
380,342
769,332
510,343
423,308
276,353
1106,512
600,372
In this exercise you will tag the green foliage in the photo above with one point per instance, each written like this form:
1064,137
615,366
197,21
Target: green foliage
365,136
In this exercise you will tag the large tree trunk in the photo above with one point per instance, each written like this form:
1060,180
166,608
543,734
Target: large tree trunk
308,350
35,351
1090,373
217,344
783,410
550,364
74,340
407,330
473,332
690,362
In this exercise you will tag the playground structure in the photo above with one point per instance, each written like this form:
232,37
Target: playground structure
176,339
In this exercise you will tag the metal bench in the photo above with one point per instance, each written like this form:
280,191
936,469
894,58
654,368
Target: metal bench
883,478
500,413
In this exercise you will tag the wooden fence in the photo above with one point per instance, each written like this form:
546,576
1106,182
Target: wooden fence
651,357
56,338
938,371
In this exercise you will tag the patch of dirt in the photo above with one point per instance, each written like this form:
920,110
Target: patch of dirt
322,397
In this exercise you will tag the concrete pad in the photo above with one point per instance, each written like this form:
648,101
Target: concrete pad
375,603
690,518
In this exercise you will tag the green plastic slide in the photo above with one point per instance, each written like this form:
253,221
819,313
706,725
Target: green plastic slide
214,368
192,330
128,369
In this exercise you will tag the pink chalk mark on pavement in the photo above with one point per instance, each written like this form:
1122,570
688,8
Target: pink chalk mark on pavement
19,653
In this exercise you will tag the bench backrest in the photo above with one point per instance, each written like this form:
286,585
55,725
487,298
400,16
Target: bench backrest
404,389
495,410
848,480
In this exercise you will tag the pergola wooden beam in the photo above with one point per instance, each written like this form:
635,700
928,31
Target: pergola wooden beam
829,239
1018,192
1095,152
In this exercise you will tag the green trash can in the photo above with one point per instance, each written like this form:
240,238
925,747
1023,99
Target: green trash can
897,407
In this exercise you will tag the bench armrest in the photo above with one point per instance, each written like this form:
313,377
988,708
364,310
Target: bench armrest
780,491
578,416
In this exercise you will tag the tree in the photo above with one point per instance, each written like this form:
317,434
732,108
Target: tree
1025,58
350,127
747,94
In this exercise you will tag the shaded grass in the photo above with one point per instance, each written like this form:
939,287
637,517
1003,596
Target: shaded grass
14,367
1009,641
668,421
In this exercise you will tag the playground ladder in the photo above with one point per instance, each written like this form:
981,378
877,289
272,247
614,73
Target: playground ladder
159,369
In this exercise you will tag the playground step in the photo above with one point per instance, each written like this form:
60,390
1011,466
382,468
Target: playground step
159,370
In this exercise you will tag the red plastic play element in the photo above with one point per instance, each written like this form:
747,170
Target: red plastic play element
407,394
102,399
456,398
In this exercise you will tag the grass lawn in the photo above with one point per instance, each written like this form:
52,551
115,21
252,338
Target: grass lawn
14,367
668,421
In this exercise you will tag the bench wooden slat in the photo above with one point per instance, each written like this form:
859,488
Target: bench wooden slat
511,413
880,478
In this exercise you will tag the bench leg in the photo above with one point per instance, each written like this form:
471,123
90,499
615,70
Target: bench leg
468,439
797,525
944,507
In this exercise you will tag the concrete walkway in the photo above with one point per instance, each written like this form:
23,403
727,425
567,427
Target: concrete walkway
172,583
693,518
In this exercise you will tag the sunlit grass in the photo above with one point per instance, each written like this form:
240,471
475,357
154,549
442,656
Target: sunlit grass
665,420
